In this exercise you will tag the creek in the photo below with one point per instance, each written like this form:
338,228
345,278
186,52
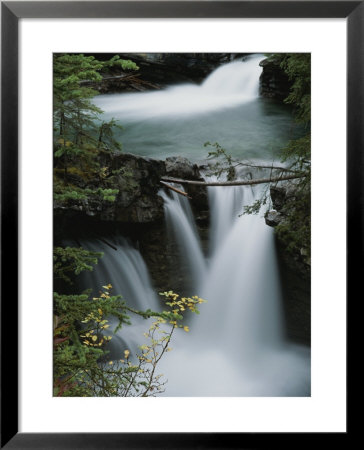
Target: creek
237,346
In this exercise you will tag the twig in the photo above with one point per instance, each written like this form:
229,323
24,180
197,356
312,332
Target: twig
175,189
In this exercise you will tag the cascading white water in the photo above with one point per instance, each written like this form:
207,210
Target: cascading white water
123,267
241,282
236,346
181,226
228,86
236,78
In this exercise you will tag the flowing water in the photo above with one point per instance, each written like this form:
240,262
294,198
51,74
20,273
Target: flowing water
237,345
225,108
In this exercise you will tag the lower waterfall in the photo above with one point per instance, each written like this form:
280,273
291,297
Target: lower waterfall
237,345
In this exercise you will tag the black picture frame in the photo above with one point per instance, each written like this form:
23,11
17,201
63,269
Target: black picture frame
11,12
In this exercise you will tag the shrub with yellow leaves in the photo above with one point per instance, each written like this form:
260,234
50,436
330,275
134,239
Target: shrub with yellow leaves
81,334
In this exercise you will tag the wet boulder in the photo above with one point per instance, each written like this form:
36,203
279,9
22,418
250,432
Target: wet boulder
180,167
273,218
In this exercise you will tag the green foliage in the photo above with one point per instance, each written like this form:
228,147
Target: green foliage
298,68
75,116
73,194
298,153
81,329
223,163
79,134
73,260
106,135
295,230
73,109
256,206
116,61
79,340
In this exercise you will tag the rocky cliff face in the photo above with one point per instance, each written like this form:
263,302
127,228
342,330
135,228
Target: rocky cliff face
137,180
158,70
294,270
283,195
137,212
274,82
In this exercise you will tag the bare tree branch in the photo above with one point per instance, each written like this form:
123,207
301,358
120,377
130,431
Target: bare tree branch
175,189
234,183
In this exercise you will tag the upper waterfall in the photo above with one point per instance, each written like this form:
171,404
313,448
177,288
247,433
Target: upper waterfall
229,85
236,78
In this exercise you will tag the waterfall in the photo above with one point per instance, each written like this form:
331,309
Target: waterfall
228,86
236,346
124,268
241,283
239,78
181,226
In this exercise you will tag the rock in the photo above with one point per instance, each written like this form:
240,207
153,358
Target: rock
180,167
296,290
166,68
274,82
278,195
282,193
158,70
273,218
137,180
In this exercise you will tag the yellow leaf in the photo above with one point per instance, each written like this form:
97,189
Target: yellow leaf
186,328
110,362
100,311
94,338
126,354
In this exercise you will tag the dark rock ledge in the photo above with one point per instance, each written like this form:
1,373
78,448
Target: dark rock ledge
137,179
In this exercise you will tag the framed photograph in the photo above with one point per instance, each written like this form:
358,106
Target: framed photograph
195,255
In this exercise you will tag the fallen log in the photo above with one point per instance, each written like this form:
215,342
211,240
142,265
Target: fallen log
175,189
233,183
